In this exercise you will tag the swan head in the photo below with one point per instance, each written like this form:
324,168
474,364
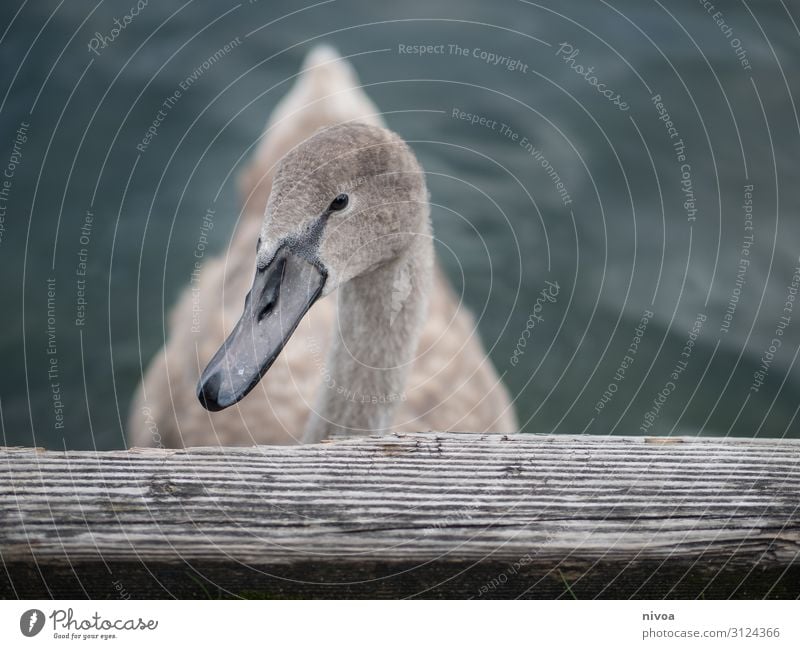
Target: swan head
346,201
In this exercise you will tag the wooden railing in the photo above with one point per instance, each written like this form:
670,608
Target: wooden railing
412,515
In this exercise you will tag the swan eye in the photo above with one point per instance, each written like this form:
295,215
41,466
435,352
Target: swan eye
339,203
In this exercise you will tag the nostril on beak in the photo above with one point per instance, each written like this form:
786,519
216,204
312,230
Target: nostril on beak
270,301
208,393
269,297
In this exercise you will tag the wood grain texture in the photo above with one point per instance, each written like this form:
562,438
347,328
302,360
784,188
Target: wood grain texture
424,514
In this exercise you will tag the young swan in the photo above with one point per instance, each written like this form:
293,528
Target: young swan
349,211
451,384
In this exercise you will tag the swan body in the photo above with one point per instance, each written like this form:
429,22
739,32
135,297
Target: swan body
380,343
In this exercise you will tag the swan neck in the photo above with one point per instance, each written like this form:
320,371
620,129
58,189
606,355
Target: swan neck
380,316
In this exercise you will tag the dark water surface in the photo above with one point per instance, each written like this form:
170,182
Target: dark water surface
673,298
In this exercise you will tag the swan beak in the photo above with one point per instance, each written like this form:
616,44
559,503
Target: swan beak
281,295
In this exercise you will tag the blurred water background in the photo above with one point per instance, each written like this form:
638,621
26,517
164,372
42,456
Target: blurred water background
654,306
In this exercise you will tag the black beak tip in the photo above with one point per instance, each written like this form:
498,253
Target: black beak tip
208,393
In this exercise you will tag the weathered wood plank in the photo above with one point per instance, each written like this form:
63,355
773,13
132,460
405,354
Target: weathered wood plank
426,515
